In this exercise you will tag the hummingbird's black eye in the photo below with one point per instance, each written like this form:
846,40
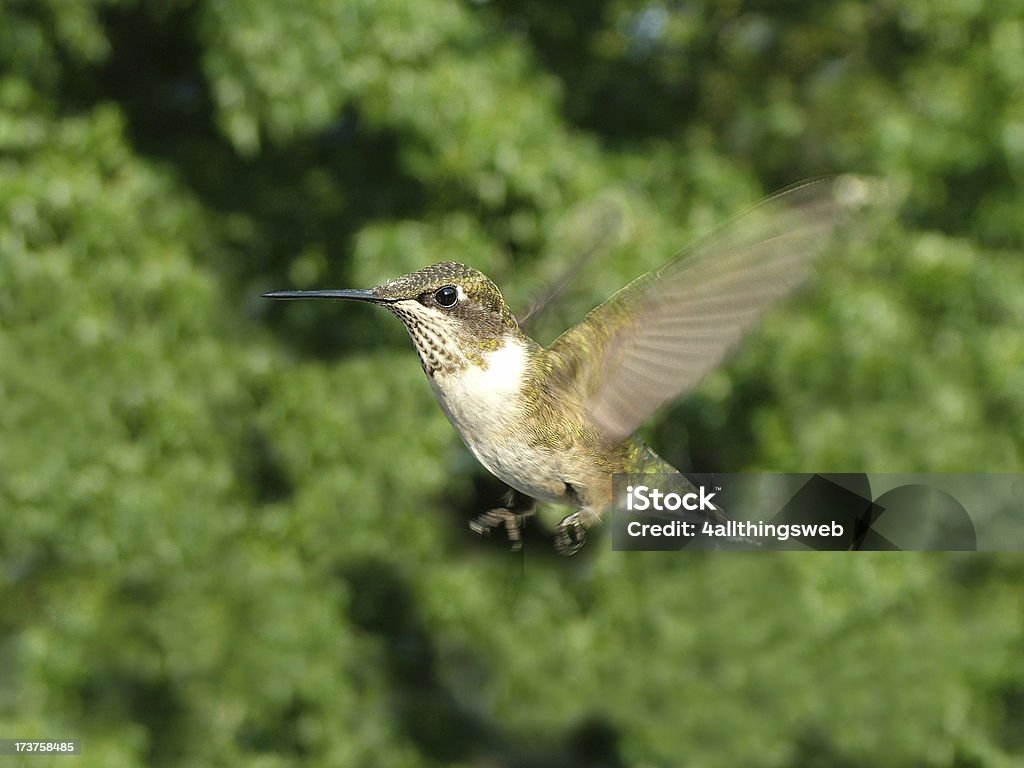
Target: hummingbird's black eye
447,296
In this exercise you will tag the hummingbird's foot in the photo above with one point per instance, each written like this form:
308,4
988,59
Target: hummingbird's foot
517,508
492,518
571,533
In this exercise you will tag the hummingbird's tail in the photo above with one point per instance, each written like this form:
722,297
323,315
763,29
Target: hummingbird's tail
717,515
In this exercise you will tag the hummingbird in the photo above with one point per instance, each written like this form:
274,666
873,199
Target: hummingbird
555,423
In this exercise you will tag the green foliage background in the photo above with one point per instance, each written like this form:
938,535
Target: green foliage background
233,532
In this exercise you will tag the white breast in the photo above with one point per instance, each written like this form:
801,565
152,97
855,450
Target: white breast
479,399
482,404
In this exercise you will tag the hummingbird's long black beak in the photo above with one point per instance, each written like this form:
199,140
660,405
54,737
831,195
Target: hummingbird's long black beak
357,294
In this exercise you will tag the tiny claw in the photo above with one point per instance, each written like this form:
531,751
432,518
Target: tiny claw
492,518
570,535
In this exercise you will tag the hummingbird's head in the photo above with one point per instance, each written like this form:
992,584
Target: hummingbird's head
453,313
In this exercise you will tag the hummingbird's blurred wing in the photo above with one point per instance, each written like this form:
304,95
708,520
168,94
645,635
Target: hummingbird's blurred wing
596,226
658,336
